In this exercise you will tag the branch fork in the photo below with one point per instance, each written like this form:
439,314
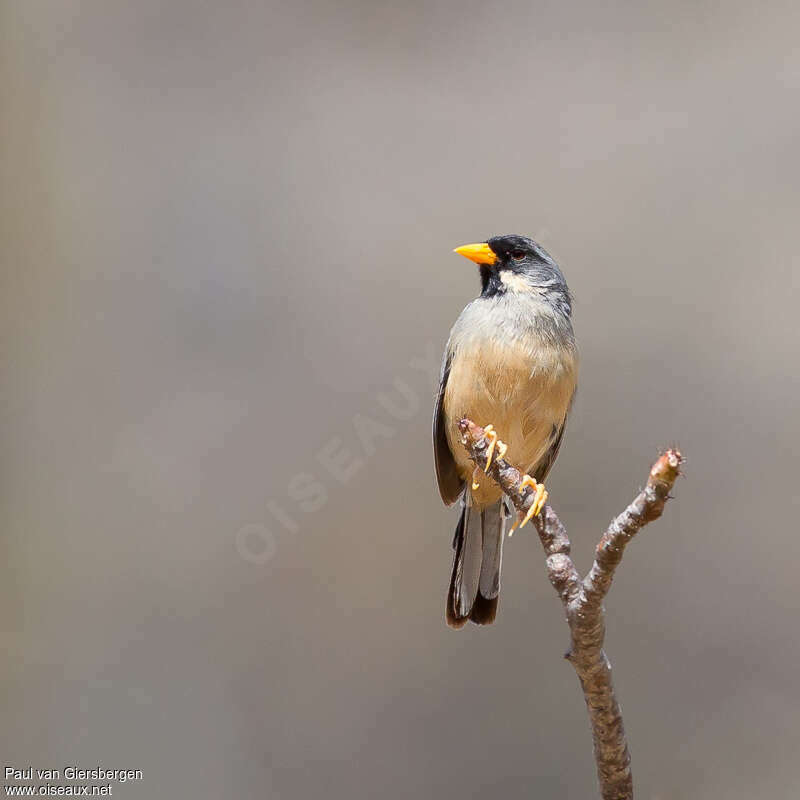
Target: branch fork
582,597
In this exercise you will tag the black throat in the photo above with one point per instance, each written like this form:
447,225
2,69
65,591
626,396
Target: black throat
490,282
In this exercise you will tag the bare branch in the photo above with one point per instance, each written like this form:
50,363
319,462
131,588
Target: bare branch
583,598
647,506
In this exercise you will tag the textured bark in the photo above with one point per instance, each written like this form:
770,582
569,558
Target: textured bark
583,597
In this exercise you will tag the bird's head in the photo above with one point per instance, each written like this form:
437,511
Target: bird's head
517,264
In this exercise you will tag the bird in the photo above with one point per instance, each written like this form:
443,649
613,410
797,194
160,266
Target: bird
510,365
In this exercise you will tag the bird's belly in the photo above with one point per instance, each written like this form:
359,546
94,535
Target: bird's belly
524,392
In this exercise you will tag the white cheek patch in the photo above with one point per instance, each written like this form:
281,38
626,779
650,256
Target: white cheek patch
514,282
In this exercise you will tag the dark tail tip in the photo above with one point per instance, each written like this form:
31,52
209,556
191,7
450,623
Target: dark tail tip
452,620
484,611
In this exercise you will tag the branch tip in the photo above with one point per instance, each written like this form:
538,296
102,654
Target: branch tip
667,467
470,432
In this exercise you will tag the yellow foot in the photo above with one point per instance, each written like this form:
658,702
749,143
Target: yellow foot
502,447
540,498
475,475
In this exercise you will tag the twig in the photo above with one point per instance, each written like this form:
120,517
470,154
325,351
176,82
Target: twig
583,597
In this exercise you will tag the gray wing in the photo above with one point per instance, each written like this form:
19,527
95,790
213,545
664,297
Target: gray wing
546,463
450,483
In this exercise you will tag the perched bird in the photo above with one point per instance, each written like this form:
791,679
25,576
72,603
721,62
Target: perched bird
511,366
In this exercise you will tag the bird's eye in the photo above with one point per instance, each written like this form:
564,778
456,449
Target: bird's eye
517,255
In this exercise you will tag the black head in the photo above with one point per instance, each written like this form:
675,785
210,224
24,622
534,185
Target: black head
517,264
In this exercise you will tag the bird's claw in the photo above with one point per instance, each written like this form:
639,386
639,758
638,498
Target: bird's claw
491,434
475,475
540,498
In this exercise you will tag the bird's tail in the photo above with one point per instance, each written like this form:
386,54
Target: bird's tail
475,580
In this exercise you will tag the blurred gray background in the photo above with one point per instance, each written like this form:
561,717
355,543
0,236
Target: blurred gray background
227,234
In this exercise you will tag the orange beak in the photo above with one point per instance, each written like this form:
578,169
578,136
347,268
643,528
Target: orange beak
479,253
